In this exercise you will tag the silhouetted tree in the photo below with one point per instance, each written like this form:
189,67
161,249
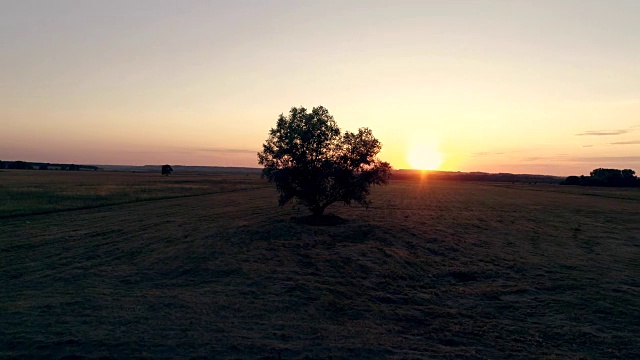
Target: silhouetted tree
20,165
587,181
629,178
166,170
308,159
628,173
605,177
571,180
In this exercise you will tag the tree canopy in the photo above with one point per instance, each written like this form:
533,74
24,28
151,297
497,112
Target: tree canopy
605,177
166,169
309,159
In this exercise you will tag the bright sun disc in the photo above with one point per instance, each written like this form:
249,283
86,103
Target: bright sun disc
425,158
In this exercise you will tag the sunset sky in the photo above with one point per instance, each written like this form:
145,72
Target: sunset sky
548,87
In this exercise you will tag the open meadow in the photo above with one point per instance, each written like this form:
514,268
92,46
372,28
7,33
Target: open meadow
37,192
113,265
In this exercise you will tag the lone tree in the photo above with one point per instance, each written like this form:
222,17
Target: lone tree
166,170
308,159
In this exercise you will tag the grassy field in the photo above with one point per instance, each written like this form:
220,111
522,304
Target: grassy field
431,270
37,192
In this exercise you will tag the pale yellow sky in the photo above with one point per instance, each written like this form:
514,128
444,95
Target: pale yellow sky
500,86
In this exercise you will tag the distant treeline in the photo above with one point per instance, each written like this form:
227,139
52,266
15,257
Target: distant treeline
605,177
183,169
474,176
25,165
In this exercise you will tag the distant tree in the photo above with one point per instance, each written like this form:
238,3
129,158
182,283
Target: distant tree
571,180
607,177
629,178
587,181
20,165
166,170
308,159
628,174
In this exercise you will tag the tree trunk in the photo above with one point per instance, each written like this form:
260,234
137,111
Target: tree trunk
318,210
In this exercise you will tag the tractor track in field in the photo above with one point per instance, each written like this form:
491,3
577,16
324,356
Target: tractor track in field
136,201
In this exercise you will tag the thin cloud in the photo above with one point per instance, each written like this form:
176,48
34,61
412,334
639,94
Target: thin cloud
486,153
557,157
631,142
229,150
616,159
587,145
603,132
620,160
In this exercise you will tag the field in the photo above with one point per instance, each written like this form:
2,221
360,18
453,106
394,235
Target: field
39,192
208,266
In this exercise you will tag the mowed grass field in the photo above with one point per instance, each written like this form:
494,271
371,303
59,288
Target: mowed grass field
430,270
37,192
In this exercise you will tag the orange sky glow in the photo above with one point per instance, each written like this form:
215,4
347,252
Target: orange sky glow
546,87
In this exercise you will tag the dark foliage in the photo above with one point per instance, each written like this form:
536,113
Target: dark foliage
308,159
25,165
20,165
571,180
166,170
605,177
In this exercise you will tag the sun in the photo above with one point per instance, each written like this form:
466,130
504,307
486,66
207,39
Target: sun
425,157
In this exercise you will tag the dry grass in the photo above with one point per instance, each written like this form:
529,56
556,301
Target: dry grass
624,193
431,270
37,192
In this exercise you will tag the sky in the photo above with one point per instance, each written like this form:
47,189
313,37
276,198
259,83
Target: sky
544,87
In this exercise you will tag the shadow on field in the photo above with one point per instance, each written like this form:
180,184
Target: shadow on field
452,271
323,220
